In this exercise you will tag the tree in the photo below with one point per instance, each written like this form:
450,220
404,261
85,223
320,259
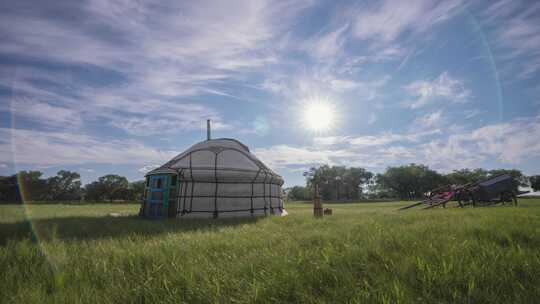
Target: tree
355,180
411,181
338,182
9,190
136,190
66,185
109,187
466,176
299,193
375,189
114,186
94,191
535,182
30,185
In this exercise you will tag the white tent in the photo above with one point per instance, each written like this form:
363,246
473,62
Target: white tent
213,178
530,193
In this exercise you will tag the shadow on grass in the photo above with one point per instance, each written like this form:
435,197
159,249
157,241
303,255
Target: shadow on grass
89,228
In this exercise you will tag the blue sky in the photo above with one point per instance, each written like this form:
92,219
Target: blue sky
120,87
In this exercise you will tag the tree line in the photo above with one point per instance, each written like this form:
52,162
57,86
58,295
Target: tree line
66,186
334,182
406,182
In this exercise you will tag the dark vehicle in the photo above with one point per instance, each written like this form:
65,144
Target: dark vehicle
494,190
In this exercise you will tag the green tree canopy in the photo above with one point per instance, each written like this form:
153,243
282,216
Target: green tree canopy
338,182
109,187
411,181
31,185
94,191
299,193
136,190
66,185
466,176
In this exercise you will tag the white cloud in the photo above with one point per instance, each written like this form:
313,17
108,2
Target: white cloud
162,53
147,168
281,156
215,35
510,143
428,122
330,140
444,86
193,118
350,64
378,140
390,19
44,113
516,36
301,158
341,85
323,81
31,147
133,111
327,45
448,154
468,114
381,139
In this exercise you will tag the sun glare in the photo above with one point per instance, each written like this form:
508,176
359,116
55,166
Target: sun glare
319,115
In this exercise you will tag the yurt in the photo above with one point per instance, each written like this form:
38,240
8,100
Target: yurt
214,178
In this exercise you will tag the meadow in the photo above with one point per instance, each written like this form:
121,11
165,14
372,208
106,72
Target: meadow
364,252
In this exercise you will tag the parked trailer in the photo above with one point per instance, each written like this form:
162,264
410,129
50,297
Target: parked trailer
493,190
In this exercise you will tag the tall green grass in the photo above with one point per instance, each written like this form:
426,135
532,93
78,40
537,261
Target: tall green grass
362,253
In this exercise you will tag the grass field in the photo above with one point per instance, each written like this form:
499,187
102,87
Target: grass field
362,253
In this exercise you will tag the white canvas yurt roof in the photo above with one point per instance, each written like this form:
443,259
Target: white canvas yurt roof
230,157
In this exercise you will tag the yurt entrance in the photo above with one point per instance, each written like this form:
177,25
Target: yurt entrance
160,196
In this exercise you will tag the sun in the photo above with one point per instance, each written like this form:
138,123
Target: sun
319,115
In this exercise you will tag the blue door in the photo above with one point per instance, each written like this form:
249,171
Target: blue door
157,198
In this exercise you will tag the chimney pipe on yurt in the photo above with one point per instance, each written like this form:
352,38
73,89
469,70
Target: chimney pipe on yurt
208,131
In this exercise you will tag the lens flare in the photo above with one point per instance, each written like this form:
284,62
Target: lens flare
319,115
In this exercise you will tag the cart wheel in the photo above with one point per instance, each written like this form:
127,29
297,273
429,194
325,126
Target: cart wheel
459,200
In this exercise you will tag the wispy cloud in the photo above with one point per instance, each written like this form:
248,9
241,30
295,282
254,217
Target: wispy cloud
380,139
386,21
35,97
444,86
510,143
147,168
327,45
282,156
430,121
60,148
163,54
44,113
468,114
516,36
